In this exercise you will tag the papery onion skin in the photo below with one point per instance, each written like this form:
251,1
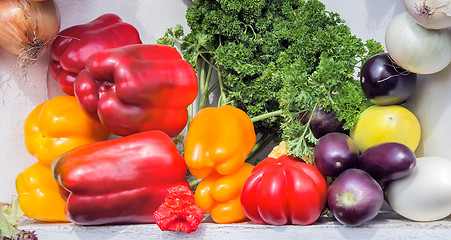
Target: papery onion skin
28,27
415,48
430,14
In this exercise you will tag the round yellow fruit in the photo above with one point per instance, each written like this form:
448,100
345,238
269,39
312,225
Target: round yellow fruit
379,124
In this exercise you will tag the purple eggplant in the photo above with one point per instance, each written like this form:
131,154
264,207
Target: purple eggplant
385,83
354,197
322,122
387,161
334,153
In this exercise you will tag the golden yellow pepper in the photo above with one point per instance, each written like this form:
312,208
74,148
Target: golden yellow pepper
58,125
39,196
219,195
279,150
218,139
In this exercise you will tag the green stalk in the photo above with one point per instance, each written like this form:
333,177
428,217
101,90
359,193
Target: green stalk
213,87
308,122
261,144
264,140
207,82
222,97
301,142
208,61
267,115
192,181
202,82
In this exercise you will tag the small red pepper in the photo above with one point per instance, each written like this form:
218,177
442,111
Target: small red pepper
179,212
137,88
75,44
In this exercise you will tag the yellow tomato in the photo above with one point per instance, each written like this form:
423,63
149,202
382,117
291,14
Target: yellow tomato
378,124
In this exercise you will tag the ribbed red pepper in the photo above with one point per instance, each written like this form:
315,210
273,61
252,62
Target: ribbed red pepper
284,191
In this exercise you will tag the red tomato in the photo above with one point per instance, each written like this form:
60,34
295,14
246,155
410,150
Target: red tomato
284,191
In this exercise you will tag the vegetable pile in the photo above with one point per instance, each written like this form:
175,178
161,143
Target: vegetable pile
285,71
277,61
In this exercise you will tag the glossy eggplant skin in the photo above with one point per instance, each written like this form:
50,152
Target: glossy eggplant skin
354,197
322,122
387,161
334,153
385,83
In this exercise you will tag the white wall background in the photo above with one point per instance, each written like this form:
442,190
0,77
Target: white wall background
367,19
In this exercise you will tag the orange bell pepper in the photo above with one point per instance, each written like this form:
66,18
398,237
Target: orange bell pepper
58,125
218,139
219,195
39,195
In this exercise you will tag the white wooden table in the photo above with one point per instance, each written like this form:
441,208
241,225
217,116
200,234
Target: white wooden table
387,225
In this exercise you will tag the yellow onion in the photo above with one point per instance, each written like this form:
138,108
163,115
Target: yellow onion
28,27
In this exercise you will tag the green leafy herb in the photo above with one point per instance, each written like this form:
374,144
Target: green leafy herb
10,214
276,60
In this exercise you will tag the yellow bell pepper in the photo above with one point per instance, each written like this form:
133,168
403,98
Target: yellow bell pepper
39,196
219,195
218,139
279,150
59,125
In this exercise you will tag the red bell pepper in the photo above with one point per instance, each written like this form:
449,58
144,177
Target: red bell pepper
298,198
75,44
123,180
137,88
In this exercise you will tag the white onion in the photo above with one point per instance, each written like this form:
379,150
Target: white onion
424,194
431,14
415,48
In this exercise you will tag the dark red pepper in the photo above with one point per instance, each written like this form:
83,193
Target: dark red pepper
179,211
137,88
75,44
122,180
